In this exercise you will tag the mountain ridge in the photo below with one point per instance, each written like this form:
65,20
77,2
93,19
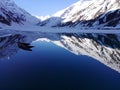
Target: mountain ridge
86,14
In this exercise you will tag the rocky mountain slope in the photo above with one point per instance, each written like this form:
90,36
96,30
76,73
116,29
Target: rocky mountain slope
87,13
11,14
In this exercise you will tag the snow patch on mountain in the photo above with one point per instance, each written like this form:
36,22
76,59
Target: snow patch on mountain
42,18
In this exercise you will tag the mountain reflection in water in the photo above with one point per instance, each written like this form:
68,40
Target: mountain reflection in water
25,46
102,47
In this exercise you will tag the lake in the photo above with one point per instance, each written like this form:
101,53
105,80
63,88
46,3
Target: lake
59,62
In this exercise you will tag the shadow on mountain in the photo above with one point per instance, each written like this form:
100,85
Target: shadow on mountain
110,19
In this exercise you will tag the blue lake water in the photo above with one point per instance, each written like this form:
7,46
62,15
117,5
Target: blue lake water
50,67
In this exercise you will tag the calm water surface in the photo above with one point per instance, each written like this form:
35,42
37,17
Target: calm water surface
49,67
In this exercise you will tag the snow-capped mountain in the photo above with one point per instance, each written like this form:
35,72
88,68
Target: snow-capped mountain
84,13
90,13
11,14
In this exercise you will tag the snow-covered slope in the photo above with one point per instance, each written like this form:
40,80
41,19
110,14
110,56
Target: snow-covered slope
11,14
87,10
88,13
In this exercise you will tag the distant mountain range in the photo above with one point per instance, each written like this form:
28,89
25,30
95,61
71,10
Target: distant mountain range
84,13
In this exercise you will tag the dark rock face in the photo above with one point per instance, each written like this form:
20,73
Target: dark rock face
111,18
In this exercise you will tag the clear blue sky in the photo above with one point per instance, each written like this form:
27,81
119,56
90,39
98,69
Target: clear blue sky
44,7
